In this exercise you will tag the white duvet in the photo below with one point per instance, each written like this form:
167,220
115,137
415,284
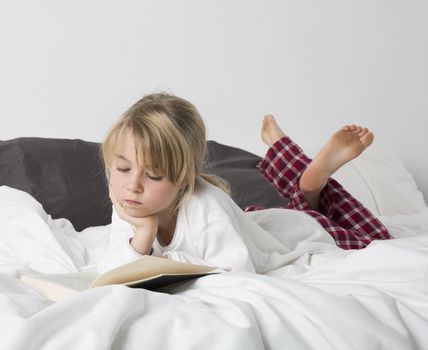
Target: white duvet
375,298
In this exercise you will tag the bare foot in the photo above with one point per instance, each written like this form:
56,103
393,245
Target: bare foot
343,146
271,132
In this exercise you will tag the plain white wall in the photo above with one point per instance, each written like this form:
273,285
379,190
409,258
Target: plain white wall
68,69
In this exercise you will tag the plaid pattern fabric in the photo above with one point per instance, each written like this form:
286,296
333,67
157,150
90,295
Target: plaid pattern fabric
350,224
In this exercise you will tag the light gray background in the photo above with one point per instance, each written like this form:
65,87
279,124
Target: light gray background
68,69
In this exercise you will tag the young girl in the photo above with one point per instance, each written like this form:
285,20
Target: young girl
164,206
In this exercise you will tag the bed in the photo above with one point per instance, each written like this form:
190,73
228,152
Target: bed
55,215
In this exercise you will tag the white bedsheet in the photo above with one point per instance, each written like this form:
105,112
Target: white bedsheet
376,298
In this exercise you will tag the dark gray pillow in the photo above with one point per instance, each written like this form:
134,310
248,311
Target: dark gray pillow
238,168
67,177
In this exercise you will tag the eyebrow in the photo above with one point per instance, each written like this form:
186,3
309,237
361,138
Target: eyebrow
121,157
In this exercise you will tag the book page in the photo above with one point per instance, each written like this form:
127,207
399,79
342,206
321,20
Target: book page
146,267
75,281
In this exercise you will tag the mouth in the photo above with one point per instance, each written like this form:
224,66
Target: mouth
131,203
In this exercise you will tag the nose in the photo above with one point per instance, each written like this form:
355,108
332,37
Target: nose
134,184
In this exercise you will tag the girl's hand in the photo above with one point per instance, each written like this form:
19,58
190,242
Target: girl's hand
150,223
145,228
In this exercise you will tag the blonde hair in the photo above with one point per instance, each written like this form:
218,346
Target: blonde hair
169,136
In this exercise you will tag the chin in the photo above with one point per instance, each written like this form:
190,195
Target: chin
135,212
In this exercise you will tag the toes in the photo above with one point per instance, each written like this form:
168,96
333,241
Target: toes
351,127
268,117
367,139
357,129
268,122
270,131
363,132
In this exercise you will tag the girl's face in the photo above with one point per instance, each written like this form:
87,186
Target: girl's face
140,192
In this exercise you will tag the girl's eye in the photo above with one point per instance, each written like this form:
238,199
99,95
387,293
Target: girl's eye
123,170
154,178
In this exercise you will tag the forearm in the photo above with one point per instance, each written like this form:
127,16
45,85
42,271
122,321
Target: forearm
142,241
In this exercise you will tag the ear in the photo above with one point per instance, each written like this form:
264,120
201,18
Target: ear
183,186
182,190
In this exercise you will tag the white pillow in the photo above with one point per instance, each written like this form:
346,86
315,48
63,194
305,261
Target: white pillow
349,177
393,188
379,180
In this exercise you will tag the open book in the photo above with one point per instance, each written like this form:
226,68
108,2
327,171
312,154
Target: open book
149,272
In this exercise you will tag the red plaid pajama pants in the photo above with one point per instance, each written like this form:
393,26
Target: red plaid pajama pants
350,224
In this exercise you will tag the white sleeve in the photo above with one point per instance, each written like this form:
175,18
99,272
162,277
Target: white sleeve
119,250
220,245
